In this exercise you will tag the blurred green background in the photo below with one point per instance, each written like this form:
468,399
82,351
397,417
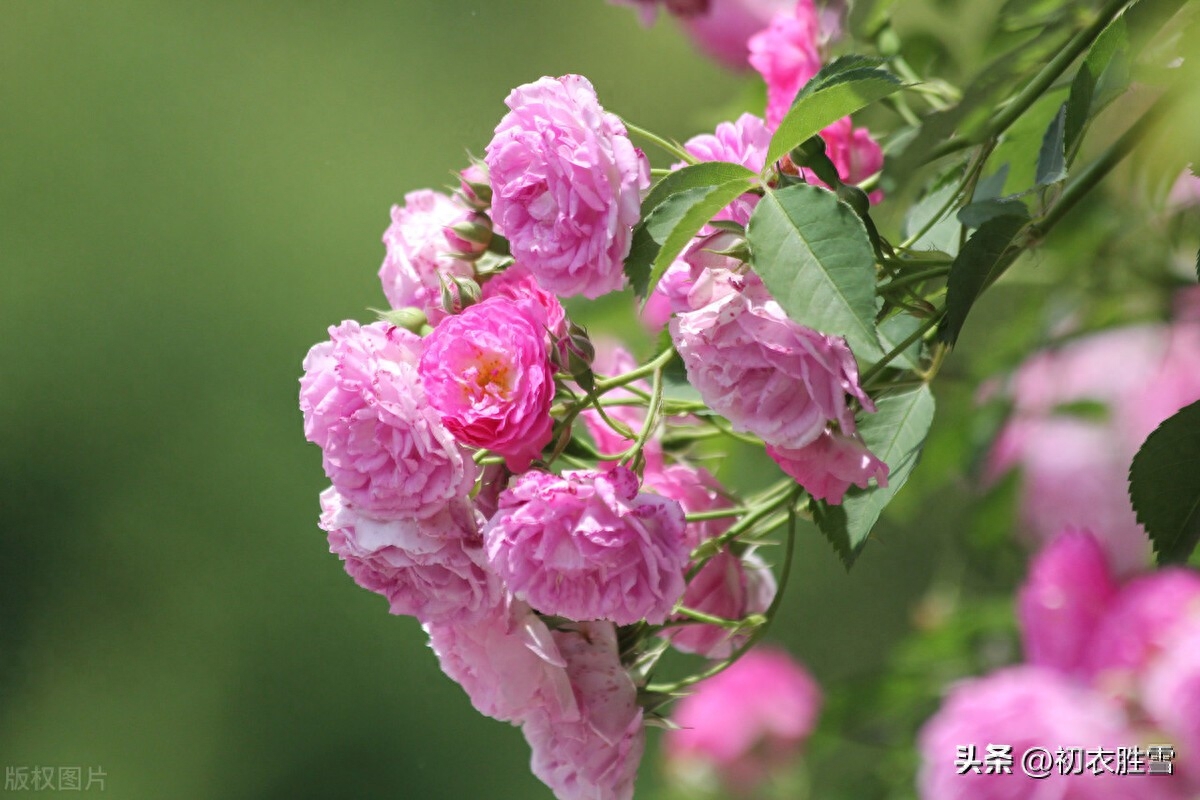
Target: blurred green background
189,195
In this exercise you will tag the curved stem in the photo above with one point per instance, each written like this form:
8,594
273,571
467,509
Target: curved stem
674,148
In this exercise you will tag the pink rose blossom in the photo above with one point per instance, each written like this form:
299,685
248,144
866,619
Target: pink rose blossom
854,152
507,662
767,374
1185,192
730,587
648,9
488,373
1067,592
566,185
787,54
1025,707
1171,695
418,252
517,284
587,546
743,142
595,755
1141,622
696,490
831,464
745,722
384,447
724,32
1074,464
431,569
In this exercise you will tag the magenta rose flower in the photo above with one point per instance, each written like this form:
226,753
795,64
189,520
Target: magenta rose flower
507,662
1026,707
787,54
566,186
596,755
418,251
384,447
431,569
587,546
488,373
767,374
518,285
830,464
742,724
1067,592
854,152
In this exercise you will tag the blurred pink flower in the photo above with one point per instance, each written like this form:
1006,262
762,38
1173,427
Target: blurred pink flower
787,54
1026,707
746,721
384,447
1080,413
587,546
767,374
487,372
566,184
431,569
854,152
1170,692
1067,592
1185,192
830,464
725,31
507,662
593,755
417,251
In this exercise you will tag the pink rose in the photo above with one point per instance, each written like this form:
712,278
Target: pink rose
507,662
724,32
787,54
566,186
517,284
587,546
1142,621
1067,592
854,152
743,142
594,756
384,447
767,374
418,251
488,373
648,9
1185,192
1171,694
745,722
831,464
1025,707
431,569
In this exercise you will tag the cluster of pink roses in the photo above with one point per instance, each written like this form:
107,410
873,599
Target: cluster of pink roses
1110,665
439,442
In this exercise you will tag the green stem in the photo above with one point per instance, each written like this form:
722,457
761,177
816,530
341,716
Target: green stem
634,453
717,513
889,356
914,277
1040,83
674,148
649,367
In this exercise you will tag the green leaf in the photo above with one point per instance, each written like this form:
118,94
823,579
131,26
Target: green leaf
841,87
707,173
974,215
813,253
1052,157
677,220
895,433
1102,77
941,233
1164,485
986,254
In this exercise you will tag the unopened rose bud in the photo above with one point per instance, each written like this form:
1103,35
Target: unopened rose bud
411,319
458,293
474,187
470,236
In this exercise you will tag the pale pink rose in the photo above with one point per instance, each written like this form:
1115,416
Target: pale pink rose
1141,622
431,569
696,490
742,142
418,252
1067,592
745,722
517,284
648,9
1077,423
830,464
384,447
767,374
727,586
487,372
566,184
507,662
1026,707
1170,692
594,756
787,54
587,546
673,294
